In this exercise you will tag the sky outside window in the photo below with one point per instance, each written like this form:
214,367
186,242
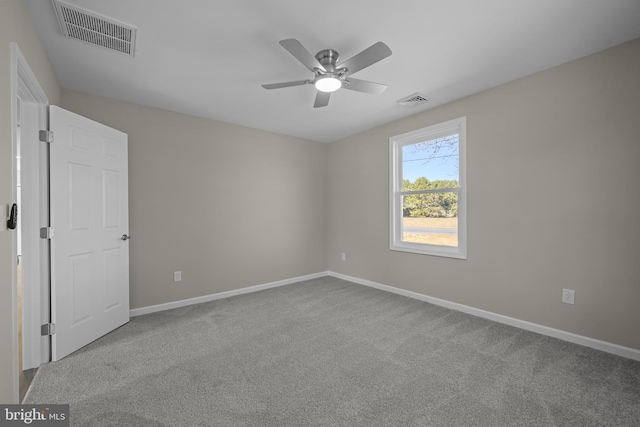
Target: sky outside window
435,160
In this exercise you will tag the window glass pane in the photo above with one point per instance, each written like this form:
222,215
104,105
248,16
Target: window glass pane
430,218
437,161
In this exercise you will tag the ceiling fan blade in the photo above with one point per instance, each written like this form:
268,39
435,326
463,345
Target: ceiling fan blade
364,86
322,99
295,48
367,57
286,84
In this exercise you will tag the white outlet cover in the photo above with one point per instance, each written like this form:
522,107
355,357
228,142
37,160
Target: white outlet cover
568,296
177,276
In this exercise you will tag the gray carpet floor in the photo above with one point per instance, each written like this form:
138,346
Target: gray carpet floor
326,352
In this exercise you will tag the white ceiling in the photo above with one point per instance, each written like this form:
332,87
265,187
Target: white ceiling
208,58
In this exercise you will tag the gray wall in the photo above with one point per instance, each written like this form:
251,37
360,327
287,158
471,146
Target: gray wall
14,27
553,200
227,205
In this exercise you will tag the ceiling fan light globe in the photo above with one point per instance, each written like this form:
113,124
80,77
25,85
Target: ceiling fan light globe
328,84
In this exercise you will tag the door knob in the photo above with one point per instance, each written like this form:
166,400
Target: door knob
125,237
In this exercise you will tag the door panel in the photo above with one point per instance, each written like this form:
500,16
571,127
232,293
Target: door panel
79,197
89,215
80,282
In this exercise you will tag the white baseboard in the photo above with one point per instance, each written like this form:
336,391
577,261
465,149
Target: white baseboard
220,295
608,347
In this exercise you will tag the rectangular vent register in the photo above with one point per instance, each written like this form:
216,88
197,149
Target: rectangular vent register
91,27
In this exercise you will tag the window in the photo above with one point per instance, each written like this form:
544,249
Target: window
428,190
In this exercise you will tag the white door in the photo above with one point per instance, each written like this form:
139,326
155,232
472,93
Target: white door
90,220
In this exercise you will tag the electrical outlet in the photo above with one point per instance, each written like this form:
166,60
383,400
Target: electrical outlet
568,296
343,257
177,276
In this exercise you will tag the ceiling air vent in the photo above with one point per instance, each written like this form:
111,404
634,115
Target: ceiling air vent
94,28
413,100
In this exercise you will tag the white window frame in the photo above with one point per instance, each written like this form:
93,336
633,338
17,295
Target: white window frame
396,143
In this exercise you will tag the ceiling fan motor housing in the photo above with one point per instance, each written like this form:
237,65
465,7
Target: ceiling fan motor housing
328,59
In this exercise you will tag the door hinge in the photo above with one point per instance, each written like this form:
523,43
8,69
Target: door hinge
46,136
46,233
48,329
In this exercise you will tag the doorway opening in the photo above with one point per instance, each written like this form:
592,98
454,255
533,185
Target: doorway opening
25,375
31,194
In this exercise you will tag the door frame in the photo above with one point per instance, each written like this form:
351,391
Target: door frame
36,306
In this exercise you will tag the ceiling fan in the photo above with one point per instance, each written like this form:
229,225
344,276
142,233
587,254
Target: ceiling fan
330,76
